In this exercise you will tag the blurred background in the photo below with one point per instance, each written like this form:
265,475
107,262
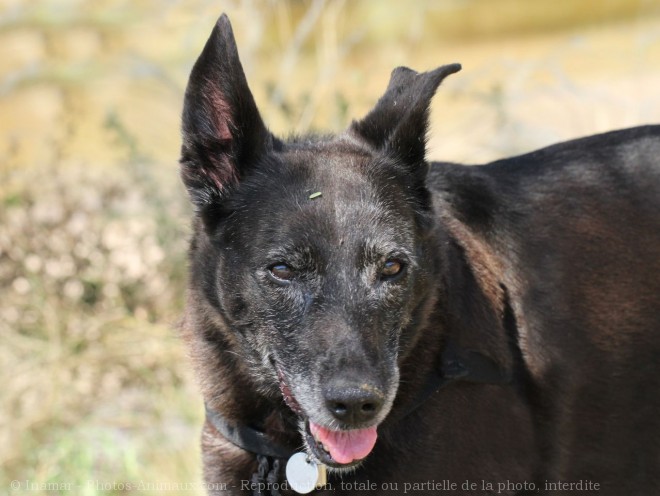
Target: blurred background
96,387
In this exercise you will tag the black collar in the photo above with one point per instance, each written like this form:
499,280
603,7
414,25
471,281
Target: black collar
248,438
456,365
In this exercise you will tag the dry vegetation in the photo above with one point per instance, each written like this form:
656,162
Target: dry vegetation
95,383
92,269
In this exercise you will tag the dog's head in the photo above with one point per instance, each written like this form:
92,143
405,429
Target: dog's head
310,250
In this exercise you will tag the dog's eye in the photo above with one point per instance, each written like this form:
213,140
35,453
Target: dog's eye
391,268
281,273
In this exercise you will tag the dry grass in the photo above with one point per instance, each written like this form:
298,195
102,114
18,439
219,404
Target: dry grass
96,385
92,265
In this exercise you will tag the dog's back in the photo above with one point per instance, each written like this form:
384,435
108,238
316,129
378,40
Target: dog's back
575,231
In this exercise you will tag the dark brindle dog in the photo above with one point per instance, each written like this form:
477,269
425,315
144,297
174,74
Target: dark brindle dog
418,327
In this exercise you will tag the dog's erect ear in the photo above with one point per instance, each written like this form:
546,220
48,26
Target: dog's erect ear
399,121
222,130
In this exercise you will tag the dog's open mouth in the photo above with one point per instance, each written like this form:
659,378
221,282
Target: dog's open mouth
339,448
334,448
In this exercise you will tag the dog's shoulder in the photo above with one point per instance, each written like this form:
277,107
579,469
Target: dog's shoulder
566,219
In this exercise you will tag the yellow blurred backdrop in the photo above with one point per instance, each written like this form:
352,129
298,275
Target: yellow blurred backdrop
96,388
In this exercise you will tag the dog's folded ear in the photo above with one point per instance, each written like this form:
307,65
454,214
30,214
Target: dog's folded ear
398,123
222,130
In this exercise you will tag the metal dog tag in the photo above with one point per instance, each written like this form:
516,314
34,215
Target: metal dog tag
304,476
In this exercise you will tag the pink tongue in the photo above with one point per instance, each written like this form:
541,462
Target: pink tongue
345,446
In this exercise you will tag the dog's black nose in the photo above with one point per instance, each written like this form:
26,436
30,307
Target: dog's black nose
353,405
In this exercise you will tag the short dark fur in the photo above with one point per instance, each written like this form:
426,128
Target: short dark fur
549,263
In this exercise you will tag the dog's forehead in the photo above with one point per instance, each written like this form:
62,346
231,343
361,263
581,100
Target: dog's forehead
338,194
333,181
311,196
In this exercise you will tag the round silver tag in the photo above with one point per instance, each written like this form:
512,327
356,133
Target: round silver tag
304,476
